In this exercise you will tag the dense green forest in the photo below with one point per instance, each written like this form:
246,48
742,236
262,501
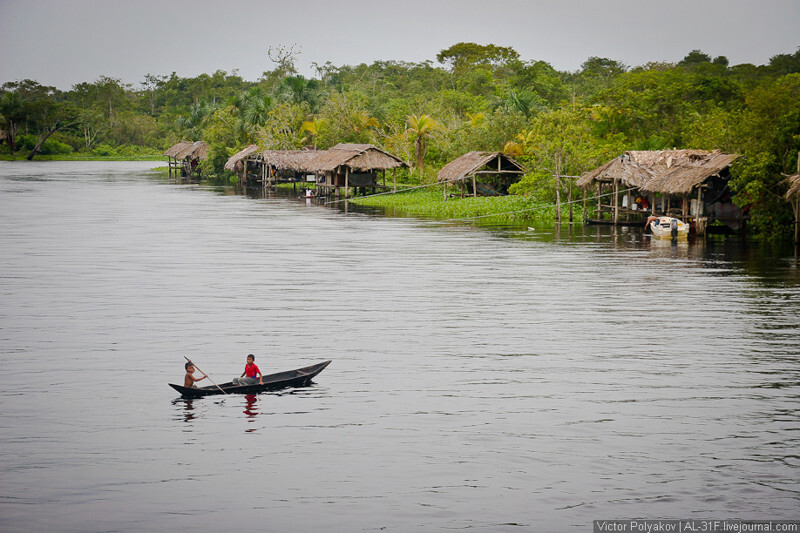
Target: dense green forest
472,97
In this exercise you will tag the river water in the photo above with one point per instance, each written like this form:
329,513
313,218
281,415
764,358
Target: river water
483,378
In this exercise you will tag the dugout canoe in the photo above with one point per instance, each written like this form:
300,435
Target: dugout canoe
300,377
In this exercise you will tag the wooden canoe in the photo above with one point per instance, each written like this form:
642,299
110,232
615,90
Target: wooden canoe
291,378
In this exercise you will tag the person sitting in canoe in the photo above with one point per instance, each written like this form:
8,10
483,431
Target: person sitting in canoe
248,377
189,379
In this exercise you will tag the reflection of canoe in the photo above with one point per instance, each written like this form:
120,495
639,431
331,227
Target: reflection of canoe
291,378
662,228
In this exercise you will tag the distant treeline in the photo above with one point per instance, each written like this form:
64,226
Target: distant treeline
474,97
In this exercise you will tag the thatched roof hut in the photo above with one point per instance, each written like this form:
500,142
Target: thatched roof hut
794,187
793,195
183,157
664,171
295,160
357,157
234,163
473,162
681,171
197,150
623,168
177,148
188,150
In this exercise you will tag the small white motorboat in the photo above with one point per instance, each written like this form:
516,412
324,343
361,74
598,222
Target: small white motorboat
668,228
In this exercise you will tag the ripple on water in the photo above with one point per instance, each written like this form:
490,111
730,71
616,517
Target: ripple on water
484,378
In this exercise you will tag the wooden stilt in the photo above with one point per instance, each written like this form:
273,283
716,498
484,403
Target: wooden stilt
599,204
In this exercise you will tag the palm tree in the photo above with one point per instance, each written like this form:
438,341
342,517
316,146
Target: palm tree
421,127
313,127
476,119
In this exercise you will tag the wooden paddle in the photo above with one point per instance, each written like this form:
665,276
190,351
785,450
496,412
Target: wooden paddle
206,375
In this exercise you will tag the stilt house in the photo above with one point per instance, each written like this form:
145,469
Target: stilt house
690,184
352,165
484,173
184,158
242,165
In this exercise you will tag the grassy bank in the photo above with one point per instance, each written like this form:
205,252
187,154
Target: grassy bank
80,157
429,203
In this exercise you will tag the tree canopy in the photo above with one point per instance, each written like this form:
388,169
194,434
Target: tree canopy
478,97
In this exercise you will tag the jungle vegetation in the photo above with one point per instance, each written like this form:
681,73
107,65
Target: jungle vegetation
472,97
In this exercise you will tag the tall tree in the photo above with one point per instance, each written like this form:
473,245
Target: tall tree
13,112
421,127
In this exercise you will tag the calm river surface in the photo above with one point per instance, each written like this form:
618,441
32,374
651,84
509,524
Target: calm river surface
483,378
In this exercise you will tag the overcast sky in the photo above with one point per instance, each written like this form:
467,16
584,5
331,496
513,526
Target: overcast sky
64,42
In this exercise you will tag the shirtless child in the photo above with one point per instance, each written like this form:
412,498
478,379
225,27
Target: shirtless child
189,379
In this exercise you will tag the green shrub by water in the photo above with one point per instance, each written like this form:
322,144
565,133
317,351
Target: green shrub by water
430,203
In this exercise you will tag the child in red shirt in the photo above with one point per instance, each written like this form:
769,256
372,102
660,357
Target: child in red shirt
248,377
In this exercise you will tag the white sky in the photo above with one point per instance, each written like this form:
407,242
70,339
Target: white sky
64,42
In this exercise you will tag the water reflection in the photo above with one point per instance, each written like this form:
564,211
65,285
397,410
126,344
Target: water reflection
187,408
250,410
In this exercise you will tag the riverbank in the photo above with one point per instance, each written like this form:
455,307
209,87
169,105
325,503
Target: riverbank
430,203
79,157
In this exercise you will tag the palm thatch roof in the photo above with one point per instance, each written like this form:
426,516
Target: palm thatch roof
623,168
471,162
680,171
188,150
175,149
664,171
794,186
296,160
357,157
234,163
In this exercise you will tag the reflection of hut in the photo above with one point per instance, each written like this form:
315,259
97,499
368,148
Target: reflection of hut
184,158
692,184
484,173
352,165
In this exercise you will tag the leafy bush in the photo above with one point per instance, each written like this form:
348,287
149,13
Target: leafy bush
104,150
50,146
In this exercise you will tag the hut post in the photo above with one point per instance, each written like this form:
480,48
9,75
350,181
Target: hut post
599,197
346,180
558,187
583,193
797,220
701,228
616,201
394,177
570,200
684,201
445,190
474,187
